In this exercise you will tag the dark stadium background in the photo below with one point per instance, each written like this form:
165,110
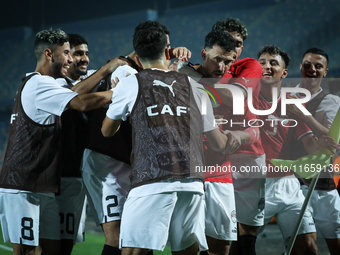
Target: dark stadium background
40,13
293,25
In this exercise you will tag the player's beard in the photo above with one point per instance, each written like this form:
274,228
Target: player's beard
56,69
80,72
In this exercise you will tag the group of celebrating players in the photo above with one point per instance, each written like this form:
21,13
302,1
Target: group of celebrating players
127,137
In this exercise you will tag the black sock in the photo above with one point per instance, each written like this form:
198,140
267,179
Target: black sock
150,252
110,250
204,253
234,248
246,245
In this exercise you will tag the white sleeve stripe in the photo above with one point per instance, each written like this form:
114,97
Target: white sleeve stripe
307,133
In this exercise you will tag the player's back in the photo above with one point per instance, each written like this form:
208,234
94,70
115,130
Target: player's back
167,128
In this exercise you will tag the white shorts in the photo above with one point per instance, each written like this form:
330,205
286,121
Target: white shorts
220,213
71,202
96,163
27,217
149,221
108,188
325,208
249,187
284,200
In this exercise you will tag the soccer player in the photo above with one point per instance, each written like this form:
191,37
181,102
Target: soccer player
106,164
181,53
98,190
166,196
106,169
249,187
325,201
30,174
71,200
283,195
221,227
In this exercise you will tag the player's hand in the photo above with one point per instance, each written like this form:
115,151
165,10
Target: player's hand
114,82
326,142
182,53
234,141
114,64
174,66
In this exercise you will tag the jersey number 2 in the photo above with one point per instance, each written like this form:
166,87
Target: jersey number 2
114,204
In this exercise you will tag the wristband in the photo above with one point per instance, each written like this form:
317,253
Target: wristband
254,133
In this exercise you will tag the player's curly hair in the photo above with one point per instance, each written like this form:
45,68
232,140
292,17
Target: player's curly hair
275,50
150,43
48,39
231,25
220,38
76,39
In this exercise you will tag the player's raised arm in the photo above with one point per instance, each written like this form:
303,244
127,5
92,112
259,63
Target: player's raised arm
89,83
90,101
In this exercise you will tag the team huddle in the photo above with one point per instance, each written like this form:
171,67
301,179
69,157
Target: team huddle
128,139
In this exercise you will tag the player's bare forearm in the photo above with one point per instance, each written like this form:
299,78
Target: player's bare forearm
87,85
314,125
90,101
226,96
311,122
217,140
308,143
244,137
110,126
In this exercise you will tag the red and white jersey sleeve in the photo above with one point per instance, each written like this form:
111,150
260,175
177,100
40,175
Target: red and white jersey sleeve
246,73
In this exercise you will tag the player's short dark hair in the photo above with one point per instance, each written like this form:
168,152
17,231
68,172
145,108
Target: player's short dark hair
151,24
48,39
76,39
150,43
275,50
231,25
316,51
220,38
